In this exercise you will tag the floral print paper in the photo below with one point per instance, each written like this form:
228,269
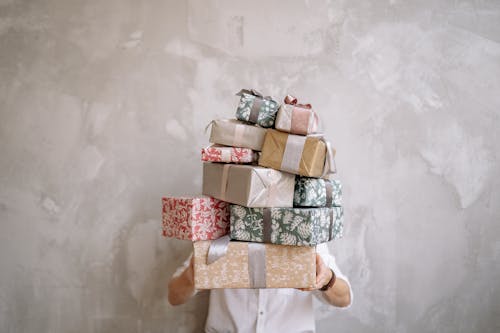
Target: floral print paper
228,154
286,266
199,218
289,226
311,192
267,111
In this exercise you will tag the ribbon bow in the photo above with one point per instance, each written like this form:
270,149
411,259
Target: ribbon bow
252,92
292,100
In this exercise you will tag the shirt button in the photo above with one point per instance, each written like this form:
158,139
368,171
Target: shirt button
261,313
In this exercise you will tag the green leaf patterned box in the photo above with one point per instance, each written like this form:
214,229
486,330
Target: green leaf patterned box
317,192
256,109
286,226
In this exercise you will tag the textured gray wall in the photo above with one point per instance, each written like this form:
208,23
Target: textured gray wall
103,106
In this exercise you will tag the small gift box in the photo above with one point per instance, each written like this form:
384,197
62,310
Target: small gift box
195,218
286,226
256,109
235,133
218,153
247,185
296,118
317,192
229,264
309,156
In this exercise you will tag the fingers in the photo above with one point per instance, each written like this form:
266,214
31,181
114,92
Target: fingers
322,272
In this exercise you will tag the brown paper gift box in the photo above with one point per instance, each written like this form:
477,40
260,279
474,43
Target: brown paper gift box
285,266
312,158
235,133
246,185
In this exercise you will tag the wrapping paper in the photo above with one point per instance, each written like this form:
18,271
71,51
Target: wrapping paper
195,218
302,155
316,192
257,109
286,226
285,266
247,185
235,133
296,120
217,153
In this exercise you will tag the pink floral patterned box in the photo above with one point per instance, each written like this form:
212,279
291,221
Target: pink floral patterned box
218,153
195,218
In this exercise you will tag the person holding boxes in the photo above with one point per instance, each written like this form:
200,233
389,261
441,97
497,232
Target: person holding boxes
260,230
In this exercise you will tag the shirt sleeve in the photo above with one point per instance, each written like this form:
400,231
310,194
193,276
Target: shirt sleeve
329,260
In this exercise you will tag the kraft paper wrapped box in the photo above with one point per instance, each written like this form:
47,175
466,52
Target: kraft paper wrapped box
218,153
317,192
286,226
296,118
195,218
309,156
256,109
235,133
247,185
253,265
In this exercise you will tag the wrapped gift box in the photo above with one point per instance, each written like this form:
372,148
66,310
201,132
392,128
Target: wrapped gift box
235,133
317,192
286,226
218,153
256,109
296,118
254,265
303,155
195,218
247,185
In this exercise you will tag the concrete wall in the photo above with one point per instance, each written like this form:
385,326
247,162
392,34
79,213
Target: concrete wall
103,106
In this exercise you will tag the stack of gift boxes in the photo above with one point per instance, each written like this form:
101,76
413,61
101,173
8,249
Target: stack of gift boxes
267,198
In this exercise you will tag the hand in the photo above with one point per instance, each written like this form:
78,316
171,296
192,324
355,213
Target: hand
323,274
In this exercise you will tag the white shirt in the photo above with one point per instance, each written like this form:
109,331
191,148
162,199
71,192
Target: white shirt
265,310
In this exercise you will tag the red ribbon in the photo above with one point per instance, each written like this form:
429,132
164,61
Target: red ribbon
292,100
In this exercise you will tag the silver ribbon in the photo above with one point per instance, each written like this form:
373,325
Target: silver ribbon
330,228
256,259
217,249
254,111
329,193
257,265
329,167
209,124
266,225
293,153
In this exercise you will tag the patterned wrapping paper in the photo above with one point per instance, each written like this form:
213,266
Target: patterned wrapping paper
286,226
257,109
235,133
248,185
217,153
195,218
296,119
302,155
285,266
317,192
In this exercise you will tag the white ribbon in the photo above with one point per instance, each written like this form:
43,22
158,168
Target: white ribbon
223,185
257,265
293,153
217,249
239,132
